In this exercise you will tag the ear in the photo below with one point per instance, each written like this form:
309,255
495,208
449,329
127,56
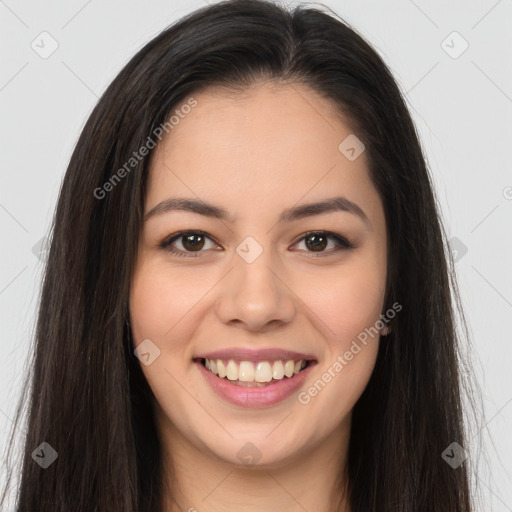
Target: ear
385,330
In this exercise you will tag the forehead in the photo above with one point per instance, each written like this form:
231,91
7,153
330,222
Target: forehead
269,145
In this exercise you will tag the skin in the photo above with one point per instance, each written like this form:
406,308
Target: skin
256,154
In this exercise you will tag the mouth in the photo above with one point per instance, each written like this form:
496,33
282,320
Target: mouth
238,382
255,374
255,378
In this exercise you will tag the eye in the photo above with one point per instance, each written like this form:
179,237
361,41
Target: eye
194,241
317,241
191,241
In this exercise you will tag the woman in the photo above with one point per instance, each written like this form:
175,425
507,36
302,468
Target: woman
247,301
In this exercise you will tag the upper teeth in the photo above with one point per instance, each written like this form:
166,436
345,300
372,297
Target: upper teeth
247,371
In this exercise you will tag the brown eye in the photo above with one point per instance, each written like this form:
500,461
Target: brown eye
316,242
192,243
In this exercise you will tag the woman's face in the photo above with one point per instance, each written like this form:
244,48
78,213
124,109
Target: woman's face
255,279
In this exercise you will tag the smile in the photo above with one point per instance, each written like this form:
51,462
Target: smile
258,373
254,383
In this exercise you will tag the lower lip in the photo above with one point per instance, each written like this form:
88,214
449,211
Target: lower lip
256,396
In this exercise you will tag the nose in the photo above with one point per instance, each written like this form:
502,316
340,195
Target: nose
254,296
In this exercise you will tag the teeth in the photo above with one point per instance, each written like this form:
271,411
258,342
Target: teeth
232,371
221,369
278,370
247,371
289,368
263,372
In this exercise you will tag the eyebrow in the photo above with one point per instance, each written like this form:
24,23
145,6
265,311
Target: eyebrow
334,204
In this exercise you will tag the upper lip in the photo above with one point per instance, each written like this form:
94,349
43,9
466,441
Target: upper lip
246,354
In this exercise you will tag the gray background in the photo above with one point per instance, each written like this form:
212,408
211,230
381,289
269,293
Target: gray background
462,105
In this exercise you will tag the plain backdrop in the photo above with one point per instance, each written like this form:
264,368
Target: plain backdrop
453,62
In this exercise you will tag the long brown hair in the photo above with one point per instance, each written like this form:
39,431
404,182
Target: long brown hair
88,398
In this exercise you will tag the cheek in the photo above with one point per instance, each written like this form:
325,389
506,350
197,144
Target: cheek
346,303
161,310
346,311
346,300
146,305
160,299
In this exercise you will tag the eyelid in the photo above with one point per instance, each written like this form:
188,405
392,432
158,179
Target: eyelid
180,234
342,242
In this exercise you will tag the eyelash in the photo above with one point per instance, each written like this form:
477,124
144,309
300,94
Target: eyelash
343,243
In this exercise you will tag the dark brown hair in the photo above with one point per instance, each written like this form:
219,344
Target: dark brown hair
89,399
